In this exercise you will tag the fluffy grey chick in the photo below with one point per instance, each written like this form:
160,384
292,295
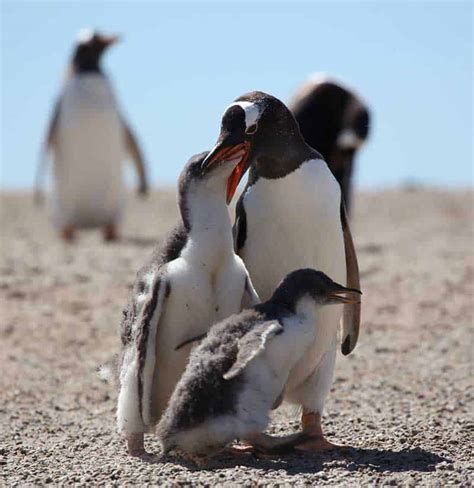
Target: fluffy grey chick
239,372
195,281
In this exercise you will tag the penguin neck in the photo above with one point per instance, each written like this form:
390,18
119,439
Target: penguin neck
85,70
282,158
207,221
296,301
84,61
306,307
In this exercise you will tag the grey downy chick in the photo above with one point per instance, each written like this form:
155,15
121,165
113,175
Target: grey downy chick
238,373
193,281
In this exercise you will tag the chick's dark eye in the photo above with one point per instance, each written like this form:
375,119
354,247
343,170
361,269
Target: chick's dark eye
251,129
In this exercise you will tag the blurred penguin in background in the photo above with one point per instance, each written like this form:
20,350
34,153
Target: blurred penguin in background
334,121
89,140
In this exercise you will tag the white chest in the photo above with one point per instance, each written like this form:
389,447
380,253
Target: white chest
89,121
293,222
85,95
198,298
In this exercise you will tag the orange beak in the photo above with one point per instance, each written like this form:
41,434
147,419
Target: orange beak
346,295
228,153
108,40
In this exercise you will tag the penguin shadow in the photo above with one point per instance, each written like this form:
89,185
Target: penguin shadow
388,460
353,459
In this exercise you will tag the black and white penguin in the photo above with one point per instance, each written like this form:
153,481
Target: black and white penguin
290,216
334,120
240,371
194,280
89,139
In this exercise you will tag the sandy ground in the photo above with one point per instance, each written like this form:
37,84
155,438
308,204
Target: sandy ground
403,399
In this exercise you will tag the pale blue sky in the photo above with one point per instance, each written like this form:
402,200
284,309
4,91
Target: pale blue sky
181,64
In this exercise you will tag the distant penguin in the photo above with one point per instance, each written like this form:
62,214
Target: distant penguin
291,215
334,120
89,139
239,372
192,282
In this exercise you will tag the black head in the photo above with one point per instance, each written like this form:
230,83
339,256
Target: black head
190,173
89,49
315,284
263,128
332,119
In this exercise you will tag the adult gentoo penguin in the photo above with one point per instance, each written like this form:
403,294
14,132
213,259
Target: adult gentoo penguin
291,216
239,372
89,140
334,120
192,282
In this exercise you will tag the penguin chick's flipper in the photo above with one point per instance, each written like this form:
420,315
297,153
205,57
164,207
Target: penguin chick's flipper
251,345
351,315
138,365
136,154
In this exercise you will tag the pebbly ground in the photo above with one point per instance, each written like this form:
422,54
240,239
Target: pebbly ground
403,399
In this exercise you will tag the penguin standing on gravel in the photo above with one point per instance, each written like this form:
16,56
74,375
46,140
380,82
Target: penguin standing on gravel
334,121
89,140
194,281
239,373
291,216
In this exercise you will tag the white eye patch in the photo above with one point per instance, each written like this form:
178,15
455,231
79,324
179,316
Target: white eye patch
85,35
252,112
349,140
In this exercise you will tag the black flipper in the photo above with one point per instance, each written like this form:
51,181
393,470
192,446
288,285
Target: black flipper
133,149
240,226
48,145
139,328
351,316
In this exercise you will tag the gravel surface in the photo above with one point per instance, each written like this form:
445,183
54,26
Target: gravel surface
402,400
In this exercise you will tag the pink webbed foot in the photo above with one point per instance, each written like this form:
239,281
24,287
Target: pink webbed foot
313,434
136,446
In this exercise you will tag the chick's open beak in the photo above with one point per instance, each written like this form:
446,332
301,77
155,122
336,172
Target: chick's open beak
237,154
346,295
